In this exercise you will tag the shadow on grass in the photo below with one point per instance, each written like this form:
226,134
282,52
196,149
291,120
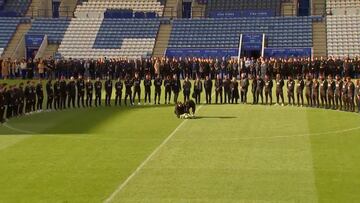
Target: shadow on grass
215,117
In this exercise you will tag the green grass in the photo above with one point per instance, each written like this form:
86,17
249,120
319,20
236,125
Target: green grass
231,153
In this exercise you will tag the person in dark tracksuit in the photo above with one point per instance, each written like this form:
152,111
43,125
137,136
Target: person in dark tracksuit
279,90
323,89
227,91
147,88
108,91
128,90
198,88
27,98
315,93
330,92
244,87
300,91
253,89
40,96
208,89
357,93
57,95
176,88
291,90
219,89
89,92
186,89
21,97
351,94
63,93
9,102
338,93
32,94
167,85
234,88
259,89
2,103
50,94
98,89
268,83
118,92
80,85
308,91
71,89
137,88
157,83
344,95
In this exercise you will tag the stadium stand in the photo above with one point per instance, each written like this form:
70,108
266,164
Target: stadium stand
95,38
8,27
343,35
224,33
97,8
14,8
53,27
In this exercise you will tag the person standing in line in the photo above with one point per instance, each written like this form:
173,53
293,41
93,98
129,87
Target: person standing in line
118,91
167,85
338,93
291,90
80,84
186,89
176,87
198,88
50,95
279,90
147,87
219,89
244,87
208,89
108,91
157,83
268,89
89,92
330,93
98,89
300,91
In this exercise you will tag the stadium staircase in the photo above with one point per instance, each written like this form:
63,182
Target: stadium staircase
162,40
67,8
21,30
288,8
39,8
50,50
198,10
319,39
171,8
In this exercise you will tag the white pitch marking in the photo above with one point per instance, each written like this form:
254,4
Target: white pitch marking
122,185
16,129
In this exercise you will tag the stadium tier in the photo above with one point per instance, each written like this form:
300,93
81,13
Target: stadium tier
97,8
55,28
94,38
225,33
8,27
343,35
13,8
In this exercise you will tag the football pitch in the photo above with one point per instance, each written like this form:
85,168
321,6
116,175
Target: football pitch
230,153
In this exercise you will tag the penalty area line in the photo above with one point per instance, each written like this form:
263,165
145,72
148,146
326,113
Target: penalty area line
141,166
16,129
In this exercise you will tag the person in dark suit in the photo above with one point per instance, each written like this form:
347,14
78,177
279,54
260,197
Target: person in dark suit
227,91
128,90
330,92
259,89
315,93
63,93
71,89
351,94
147,87
137,88
338,93
186,89
279,90
167,85
323,89
39,95
176,87
198,88
208,89
234,88
219,89
98,89
57,94
244,86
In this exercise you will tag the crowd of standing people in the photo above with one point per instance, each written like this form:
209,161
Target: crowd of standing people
70,83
